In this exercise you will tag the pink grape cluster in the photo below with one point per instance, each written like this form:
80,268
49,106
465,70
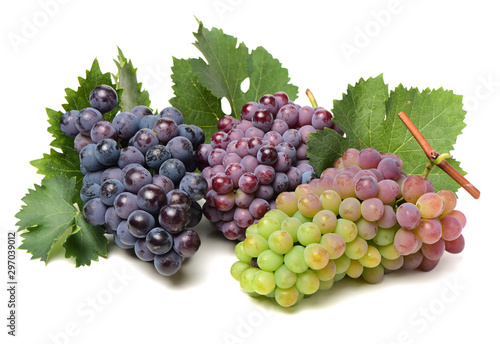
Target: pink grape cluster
250,161
363,217
424,223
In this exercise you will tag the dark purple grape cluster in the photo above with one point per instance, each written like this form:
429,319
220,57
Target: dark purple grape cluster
251,160
139,181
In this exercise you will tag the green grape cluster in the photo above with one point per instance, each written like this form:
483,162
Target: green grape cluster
363,218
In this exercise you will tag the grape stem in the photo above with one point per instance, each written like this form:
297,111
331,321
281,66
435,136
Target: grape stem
437,159
311,98
433,163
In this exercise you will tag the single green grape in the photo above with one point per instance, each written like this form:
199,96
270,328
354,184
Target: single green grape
284,277
334,245
316,256
308,233
269,261
371,258
291,225
287,203
342,263
263,282
238,268
254,245
385,236
346,229
267,225
240,253
294,260
287,297
309,204
331,200
326,285
355,269
280,241
356,248
246,279
252,229
388,251
307,282
326,221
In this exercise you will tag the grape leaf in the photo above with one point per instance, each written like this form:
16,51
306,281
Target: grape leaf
439,116
197,104
367,114
227,64
126,78
65,160
65,163
324,148
49,214
266,75
86,242
361,112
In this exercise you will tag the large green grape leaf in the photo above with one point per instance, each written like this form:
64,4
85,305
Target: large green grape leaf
439,116
368,116
225,66
49,215
201,84
361,112
266,75
197,103
86,242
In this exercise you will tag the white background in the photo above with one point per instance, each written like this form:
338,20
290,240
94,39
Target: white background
449,44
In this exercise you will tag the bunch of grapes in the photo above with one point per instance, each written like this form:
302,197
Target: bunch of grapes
139,181
252,160
363,218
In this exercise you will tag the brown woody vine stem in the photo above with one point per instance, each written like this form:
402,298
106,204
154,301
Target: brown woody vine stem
433,156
